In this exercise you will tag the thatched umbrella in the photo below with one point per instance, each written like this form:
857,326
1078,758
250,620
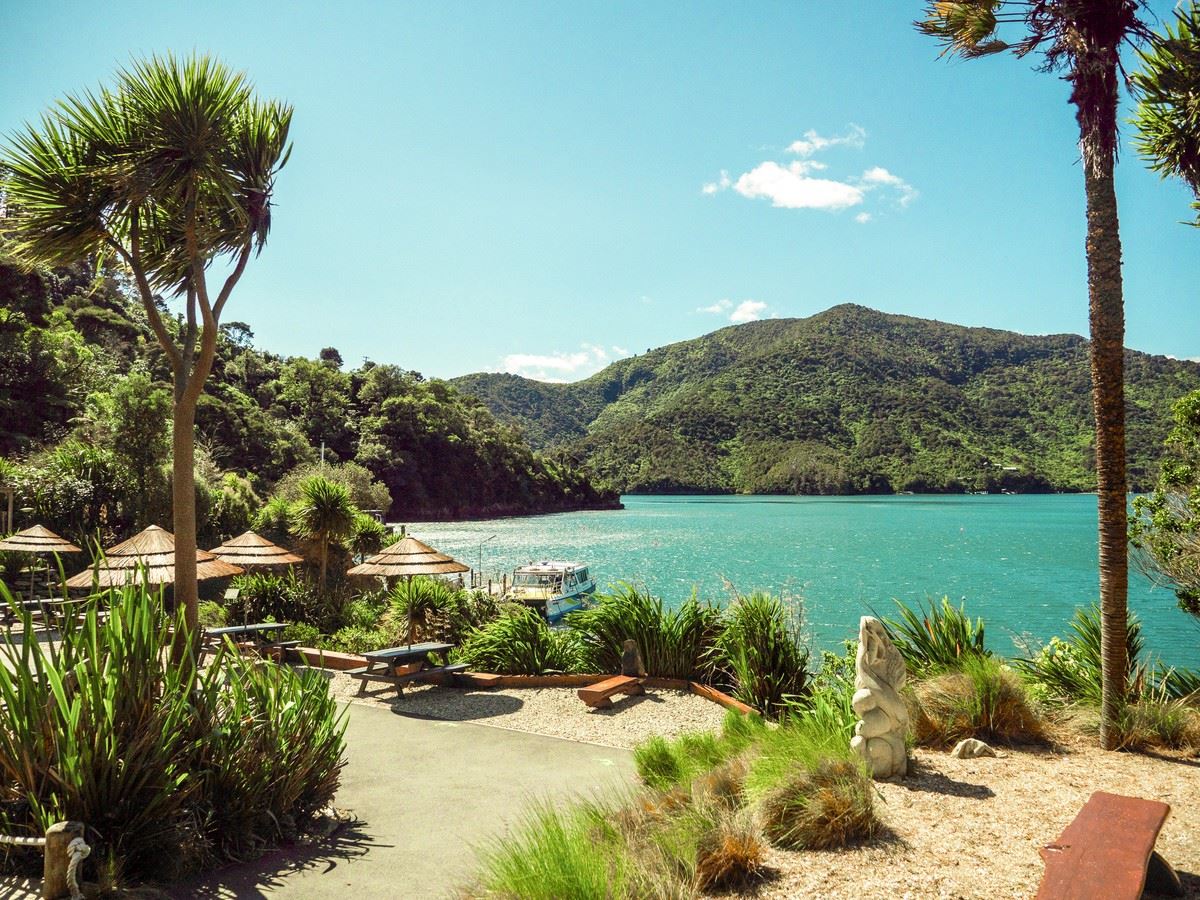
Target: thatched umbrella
148,556
409,557
38,540
251,549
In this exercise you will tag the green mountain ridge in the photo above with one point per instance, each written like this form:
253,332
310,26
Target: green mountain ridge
850,400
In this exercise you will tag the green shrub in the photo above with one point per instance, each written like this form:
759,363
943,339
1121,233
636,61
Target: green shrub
307,635
762,648
676,643
1068,671
521,643
353,639
937,639
277,596
367,536
984,700
170,764
211,614
365,611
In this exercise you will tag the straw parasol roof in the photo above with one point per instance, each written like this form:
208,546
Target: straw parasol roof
409,557
153,549
38,539
252,549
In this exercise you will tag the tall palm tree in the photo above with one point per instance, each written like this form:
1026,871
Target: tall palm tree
324,515
1082,39
1168,89
169,171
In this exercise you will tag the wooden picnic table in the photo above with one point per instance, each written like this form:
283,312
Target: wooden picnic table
259,634
398,665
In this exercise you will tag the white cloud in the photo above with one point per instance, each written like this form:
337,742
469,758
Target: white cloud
748,311
878,176
812,142
791,188
792,185
717,308
561,366
719,185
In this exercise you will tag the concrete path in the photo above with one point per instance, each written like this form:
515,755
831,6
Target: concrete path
427,793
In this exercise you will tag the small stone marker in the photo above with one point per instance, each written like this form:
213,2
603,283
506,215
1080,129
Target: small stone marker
879,674
631,660
971,748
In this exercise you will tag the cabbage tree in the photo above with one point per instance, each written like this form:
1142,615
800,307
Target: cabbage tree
169,172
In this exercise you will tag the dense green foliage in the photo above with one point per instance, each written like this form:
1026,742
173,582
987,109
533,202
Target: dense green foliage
1166,528
847,401
85,423
520,642
937,639
674,643
170,765
763,648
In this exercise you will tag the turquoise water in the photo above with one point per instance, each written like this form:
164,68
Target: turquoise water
1023,563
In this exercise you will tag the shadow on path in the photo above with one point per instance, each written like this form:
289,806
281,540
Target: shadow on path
266,875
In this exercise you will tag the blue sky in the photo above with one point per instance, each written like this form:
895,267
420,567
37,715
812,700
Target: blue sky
543,187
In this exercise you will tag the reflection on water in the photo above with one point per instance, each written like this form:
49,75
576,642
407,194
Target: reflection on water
1022,562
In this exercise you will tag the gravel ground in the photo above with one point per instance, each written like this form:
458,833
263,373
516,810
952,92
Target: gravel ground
957,828
973,828
556,712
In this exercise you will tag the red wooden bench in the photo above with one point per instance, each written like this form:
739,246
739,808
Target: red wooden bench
1107,852
597,695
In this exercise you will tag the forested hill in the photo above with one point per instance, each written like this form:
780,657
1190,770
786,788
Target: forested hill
847,401
85,404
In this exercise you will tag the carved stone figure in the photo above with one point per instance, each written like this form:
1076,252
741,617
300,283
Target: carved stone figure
879,675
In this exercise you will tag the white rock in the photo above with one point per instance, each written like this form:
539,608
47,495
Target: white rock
971,748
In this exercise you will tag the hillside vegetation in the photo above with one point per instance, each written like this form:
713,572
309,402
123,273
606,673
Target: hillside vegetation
85,406
847,401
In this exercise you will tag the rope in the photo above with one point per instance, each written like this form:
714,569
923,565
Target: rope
78,850
23,841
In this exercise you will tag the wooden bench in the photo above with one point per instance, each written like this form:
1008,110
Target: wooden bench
597,696
1107,852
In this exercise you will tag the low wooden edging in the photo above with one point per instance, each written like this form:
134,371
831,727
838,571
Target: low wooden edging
328,659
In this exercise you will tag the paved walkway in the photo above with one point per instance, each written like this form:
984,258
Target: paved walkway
427,793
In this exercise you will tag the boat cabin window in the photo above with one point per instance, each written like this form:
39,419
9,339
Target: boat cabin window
533,579
581,575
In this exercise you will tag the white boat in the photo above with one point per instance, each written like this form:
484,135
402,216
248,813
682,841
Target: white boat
553,588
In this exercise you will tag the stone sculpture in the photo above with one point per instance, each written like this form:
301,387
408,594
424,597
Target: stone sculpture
879,675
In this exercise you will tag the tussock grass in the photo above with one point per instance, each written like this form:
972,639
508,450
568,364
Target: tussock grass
664,764
984,700
829,806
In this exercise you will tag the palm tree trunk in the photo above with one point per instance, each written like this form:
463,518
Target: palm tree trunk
1107,317
183,498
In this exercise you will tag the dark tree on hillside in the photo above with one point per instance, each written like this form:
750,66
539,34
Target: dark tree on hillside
1082,39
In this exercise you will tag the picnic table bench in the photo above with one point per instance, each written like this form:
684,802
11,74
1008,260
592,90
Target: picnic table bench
401,665
258,634
51,610
1107,852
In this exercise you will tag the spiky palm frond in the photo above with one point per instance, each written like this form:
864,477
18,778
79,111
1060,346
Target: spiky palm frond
1081,38
176,165
1168,114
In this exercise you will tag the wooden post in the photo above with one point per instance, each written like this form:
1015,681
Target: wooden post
504,583
54,875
